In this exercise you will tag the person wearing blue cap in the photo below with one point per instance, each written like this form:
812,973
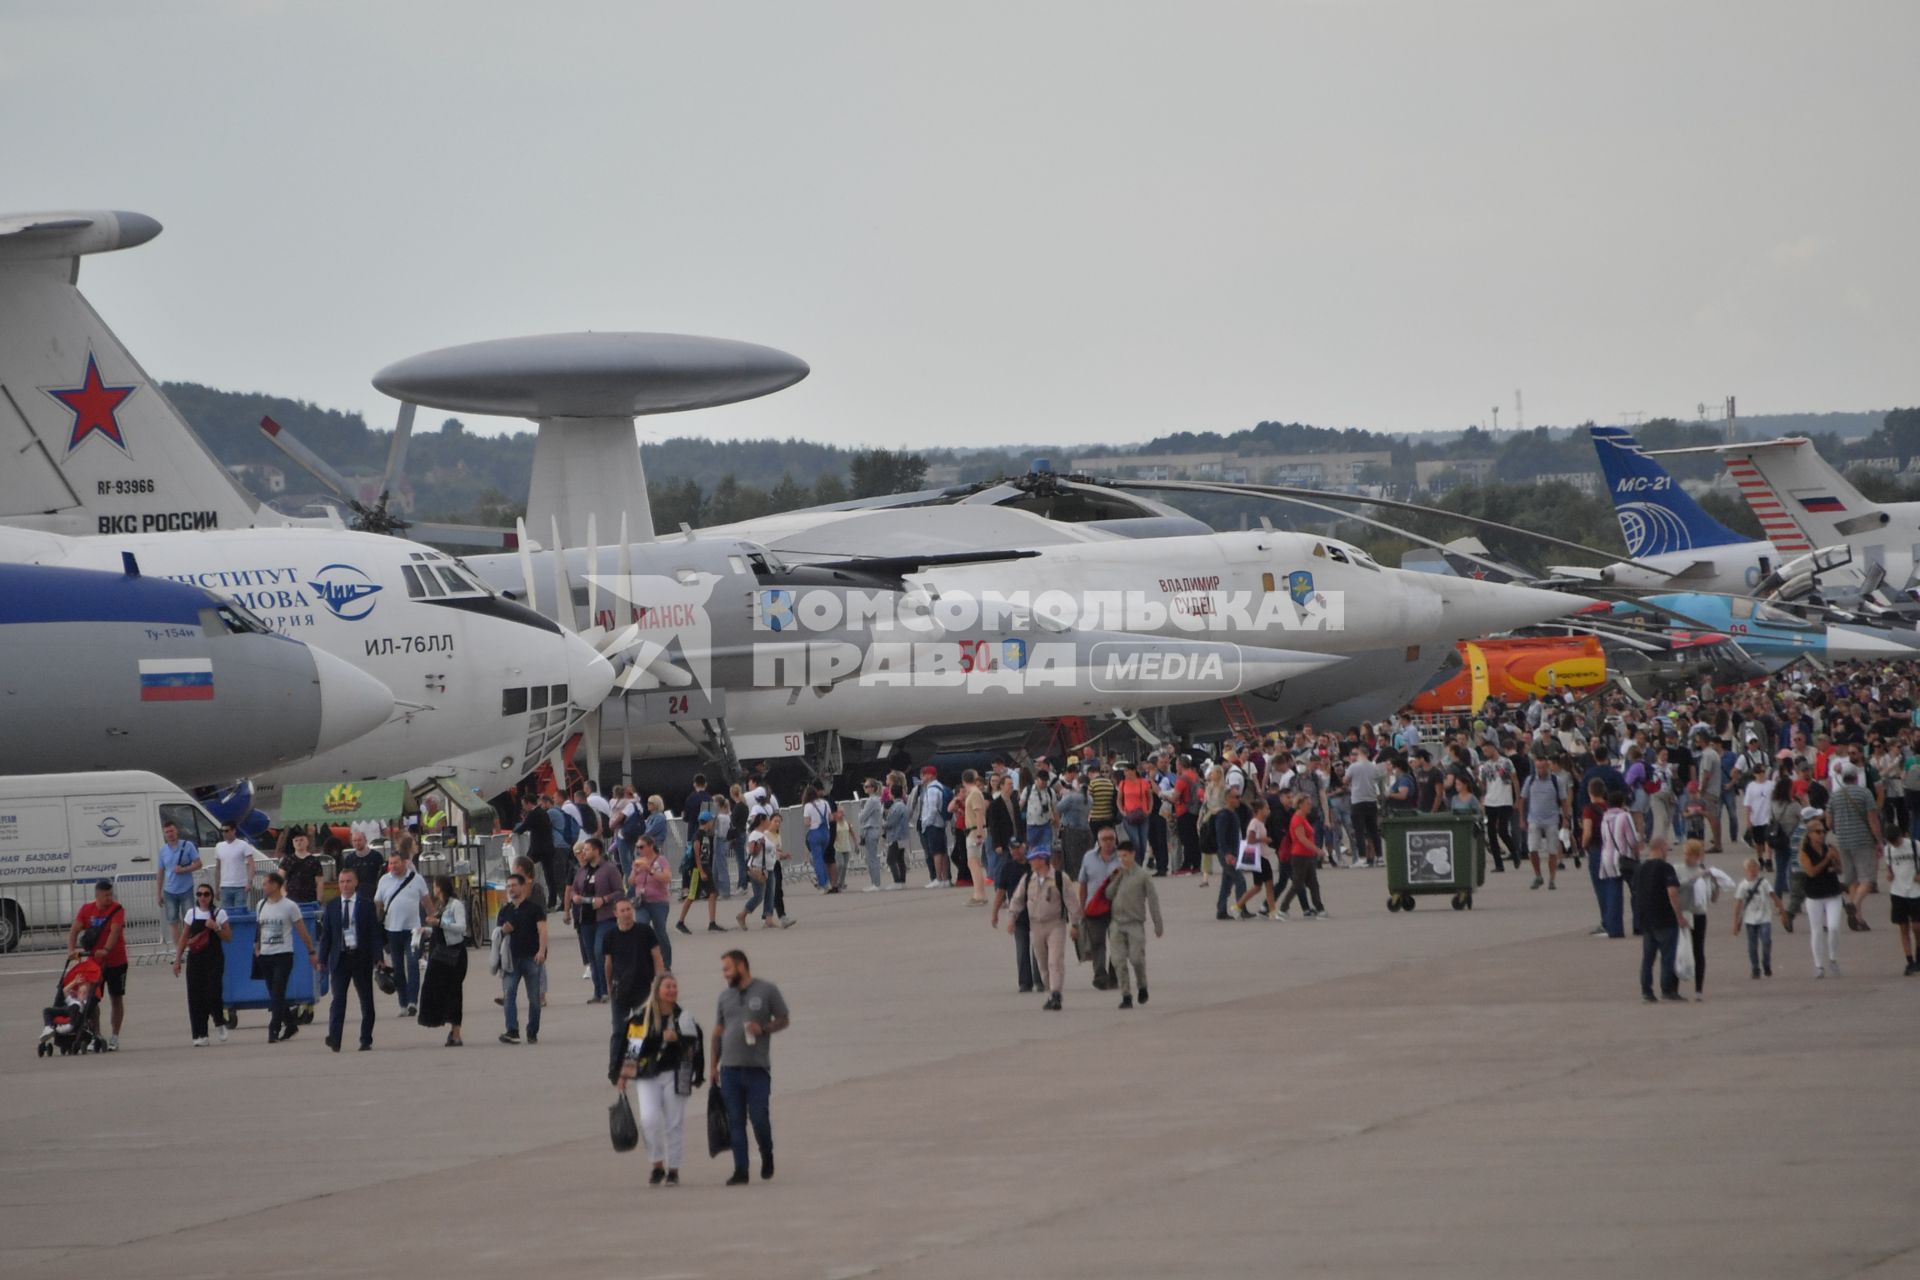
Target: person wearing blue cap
701,883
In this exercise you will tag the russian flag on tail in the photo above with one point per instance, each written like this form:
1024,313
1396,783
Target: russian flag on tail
176,679
1823,503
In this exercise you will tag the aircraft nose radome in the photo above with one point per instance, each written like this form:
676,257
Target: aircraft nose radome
1849,644
352,703
589,676
1478,608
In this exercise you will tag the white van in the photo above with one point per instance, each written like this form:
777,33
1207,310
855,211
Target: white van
61,832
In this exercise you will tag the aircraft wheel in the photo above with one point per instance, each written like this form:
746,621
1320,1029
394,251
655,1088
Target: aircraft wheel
1408,902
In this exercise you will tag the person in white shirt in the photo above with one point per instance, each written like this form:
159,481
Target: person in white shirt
201,949
275,925
600,805
398,898
1904,891
1754,903
235,857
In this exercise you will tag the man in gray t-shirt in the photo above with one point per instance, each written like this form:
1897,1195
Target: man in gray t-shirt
276,924
749,1013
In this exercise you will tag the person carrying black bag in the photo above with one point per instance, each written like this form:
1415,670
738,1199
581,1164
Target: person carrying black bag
202,948
660,1050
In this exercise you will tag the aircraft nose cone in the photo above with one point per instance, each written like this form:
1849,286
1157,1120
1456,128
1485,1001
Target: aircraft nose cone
1472,607
1863,644
589,676
352,703
1262,667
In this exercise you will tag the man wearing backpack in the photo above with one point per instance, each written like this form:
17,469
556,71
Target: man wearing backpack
929,807
1037,809
1548,803
566,833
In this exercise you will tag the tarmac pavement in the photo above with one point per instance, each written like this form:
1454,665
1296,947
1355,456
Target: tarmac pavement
1438,1093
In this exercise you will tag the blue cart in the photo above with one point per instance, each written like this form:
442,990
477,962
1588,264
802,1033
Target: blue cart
238,988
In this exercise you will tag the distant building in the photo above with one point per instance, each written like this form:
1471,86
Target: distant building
1587,482
1312,470
1441,474
262,479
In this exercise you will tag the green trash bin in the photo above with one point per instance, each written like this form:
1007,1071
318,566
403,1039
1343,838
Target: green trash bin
1433,853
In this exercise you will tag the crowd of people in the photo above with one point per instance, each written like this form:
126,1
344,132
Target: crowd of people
1808,784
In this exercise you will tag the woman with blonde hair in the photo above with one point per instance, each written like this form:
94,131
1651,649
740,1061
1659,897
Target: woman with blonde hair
660,1050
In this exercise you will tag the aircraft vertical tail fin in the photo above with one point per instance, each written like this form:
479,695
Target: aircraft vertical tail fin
1656,515
1799,499
88,444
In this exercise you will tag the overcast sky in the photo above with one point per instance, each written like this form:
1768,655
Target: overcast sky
996,223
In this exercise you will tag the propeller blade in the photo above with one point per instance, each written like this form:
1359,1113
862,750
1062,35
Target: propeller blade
397,451
563,611
526,562
312,463
593,577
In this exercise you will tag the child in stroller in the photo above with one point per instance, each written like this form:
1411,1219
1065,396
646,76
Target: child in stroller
73,1019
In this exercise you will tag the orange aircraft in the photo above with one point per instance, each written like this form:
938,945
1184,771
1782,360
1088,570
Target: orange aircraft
1511,669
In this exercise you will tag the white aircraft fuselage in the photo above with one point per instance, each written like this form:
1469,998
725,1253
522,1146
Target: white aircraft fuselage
476,679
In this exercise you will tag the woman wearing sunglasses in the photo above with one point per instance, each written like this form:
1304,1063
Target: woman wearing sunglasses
202,947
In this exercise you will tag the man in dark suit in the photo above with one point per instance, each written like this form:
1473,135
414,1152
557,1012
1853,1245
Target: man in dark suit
350,939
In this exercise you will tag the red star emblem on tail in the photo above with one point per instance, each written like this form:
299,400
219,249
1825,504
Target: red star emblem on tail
94,405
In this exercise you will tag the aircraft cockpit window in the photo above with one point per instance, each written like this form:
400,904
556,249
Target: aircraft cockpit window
737,563
430,585
233,619
539,695
559,695
1740,610
1365,561
1337,555
1320,550
513,702
456,584
1779,617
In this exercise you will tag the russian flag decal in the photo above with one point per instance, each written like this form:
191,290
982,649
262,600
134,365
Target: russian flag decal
1823,504
176,679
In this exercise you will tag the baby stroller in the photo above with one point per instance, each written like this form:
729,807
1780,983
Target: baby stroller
73,1026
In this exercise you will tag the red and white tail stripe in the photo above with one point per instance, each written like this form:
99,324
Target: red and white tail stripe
1776,518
